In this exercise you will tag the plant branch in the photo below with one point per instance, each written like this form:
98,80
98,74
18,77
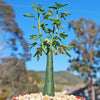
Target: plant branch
52,36
40,32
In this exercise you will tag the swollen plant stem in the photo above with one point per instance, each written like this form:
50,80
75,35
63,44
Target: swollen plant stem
49,81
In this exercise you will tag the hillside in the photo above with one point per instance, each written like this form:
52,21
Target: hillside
63,78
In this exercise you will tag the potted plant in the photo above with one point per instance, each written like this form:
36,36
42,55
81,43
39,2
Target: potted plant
50,41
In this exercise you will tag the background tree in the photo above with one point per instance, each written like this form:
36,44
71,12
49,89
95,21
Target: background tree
49,38
86,45
11,36
15,79
14,52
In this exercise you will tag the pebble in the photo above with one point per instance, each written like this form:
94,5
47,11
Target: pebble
39,96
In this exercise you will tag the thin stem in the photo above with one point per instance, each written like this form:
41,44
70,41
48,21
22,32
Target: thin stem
54,29
52,36
40,32
57,26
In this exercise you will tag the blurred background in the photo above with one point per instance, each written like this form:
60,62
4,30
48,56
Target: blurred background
20,73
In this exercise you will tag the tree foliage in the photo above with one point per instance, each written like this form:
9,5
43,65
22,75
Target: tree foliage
14,51
54,37
11,35
87,47
14,76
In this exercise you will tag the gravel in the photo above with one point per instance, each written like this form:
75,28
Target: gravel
39,96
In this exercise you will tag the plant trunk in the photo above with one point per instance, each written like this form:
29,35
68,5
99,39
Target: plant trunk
92,89
49,81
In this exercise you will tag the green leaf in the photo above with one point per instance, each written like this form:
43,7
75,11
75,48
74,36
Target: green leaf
53,7
38,57
35,8
57,38
63,35
28,15
33,44
60,5
62,26
67,53
33,27
64,14
35,37
37,52
40,51
46,16
55,21
42,9
34,4
50,12
52,19
57,6
67,48
56,43
43,24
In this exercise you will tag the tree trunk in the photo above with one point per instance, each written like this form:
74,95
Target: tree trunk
49,81
92,89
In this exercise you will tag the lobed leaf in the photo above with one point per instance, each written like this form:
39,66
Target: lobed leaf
35,37
33,44
28,15
50,12
60,5
63,35
33,27
64,14
53,7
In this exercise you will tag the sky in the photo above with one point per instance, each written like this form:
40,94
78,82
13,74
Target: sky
88,9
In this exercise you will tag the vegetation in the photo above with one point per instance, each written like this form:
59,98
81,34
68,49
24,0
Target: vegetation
86,45
17,78
11,35
49,38
14,51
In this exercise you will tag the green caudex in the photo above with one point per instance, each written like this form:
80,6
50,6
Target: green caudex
53,43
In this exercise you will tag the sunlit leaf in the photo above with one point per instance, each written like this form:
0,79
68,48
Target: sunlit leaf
62,26
67,53
60,5
28,15
35,8
42,9
33,44
50,12
38,57
64,14
63,35
34,4
33,27
53,7
35,37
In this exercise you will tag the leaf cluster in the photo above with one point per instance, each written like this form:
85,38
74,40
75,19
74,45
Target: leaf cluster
86,47
54,39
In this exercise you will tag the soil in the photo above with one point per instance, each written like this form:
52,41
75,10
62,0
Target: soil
39,96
